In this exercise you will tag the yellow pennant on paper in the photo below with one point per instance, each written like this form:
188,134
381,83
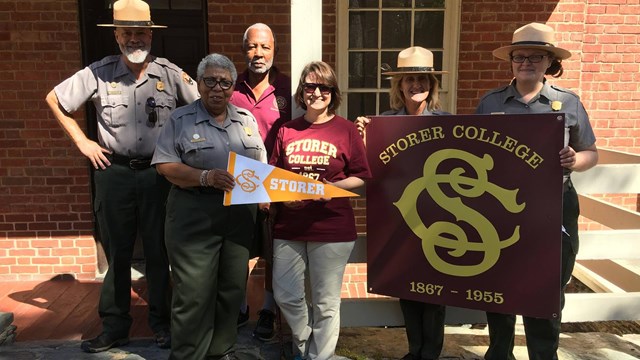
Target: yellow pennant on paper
257,182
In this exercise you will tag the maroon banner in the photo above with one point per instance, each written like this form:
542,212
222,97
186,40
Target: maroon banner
466,210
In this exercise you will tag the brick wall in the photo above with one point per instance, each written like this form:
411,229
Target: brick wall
45,213
604,38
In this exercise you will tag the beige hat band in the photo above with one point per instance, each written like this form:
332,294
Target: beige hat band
542,43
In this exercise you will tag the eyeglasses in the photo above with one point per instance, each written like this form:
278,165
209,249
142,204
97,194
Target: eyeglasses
151,104
534,59
310,88
211,83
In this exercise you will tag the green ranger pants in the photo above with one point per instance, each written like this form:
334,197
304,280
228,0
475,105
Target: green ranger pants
130,203
542,334
208,246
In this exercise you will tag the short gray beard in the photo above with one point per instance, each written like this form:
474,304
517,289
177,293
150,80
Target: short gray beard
137,56
262,70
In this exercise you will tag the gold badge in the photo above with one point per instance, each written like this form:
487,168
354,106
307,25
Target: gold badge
113,84
556,105
160,86
248,131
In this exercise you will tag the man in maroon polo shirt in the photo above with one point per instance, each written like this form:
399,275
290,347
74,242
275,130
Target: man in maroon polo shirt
266,92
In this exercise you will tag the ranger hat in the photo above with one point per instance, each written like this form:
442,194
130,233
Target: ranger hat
414,60
132,13
532,36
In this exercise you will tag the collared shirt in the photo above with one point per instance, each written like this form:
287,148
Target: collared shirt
403,111
506,100
272,109
121,101
194,138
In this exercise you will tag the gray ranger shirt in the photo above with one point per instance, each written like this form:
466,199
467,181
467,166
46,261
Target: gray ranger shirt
121,101
194,138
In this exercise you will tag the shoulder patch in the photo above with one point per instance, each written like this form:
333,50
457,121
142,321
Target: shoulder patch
187,79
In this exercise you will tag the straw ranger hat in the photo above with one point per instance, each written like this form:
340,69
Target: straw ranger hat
414,60
532,36
132,13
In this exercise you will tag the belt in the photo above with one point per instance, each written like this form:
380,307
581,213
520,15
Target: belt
200,190
133,163
567,185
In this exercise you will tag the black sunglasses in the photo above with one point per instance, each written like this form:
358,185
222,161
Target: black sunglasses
310,88
534,59
151,104
211,83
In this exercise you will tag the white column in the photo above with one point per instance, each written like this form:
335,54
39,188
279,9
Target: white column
306,39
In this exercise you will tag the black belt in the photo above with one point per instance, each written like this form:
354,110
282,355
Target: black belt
567,185
201,190
133,163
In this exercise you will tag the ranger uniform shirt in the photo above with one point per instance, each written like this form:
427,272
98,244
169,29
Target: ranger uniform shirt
506,100
121,101
194,138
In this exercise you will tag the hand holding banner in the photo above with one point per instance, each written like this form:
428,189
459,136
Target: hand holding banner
257,182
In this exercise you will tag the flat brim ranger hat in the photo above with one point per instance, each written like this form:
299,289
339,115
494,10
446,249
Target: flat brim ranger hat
532,36
414,60
132,13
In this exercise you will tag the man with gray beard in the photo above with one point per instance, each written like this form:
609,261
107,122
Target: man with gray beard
134,94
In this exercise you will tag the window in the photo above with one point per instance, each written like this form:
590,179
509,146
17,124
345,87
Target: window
373,32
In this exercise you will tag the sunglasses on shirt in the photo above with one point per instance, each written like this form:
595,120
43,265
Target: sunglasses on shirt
153,115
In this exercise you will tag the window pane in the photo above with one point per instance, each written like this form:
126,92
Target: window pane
429,29
437,60
396,4
433,4
363,30
384,102
359,4
396,29
186,4
158,4
361,104
363,68
391,58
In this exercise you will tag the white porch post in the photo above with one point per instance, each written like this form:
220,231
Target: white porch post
306,39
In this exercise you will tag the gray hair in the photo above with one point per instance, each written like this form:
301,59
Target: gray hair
261,26
217,61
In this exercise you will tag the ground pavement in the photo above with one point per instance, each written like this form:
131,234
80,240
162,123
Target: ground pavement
461,342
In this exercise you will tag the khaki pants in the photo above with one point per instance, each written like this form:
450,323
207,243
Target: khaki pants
315,324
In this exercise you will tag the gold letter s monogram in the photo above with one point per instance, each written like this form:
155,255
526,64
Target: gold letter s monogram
449,235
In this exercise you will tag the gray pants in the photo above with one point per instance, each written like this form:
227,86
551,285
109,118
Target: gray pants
315,326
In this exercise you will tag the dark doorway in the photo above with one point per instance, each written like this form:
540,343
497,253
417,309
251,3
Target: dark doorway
184,42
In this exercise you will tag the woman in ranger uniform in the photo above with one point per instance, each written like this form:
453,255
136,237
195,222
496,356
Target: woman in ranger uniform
532,55
207,243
